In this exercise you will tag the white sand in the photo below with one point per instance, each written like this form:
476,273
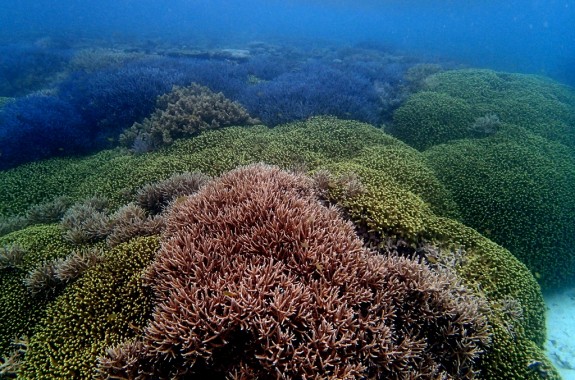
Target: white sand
561,331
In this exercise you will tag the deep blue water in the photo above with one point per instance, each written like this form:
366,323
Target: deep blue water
531,36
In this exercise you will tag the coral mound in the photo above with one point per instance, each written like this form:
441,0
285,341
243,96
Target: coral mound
255,278
185,111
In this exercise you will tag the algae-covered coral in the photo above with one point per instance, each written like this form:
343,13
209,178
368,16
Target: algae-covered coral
184,111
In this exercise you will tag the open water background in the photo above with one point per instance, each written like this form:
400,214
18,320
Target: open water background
532,36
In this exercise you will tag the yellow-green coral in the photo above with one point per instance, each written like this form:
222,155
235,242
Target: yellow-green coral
453,100
519,190
430,118
385,206
516,186
400,163
540,105
114,174
40,182
106,306
19,311
513,357
491,269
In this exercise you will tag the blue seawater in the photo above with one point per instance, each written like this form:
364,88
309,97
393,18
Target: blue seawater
520,36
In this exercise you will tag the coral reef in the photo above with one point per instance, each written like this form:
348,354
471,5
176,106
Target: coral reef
515,185
117,176
19,310
382,210
517,189
97,92
255,277
538,104
185,112
376,194
394,259
452,100
430,118
155,197
105,306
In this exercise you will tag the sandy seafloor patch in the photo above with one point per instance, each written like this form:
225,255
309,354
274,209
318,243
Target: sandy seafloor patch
561,331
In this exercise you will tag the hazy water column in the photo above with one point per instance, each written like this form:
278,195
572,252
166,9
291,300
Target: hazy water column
520,36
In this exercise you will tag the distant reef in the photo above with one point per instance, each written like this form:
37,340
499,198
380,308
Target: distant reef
79,100
322,247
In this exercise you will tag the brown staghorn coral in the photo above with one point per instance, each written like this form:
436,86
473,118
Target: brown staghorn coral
87,221
184,112
50,212
155,197
11,256
90,221
43,213
131,221
11,224
256,279
70,268
48,277
42,279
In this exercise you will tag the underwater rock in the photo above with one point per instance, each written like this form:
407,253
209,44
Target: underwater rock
220,54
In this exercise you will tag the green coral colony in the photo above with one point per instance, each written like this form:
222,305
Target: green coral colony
476,175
